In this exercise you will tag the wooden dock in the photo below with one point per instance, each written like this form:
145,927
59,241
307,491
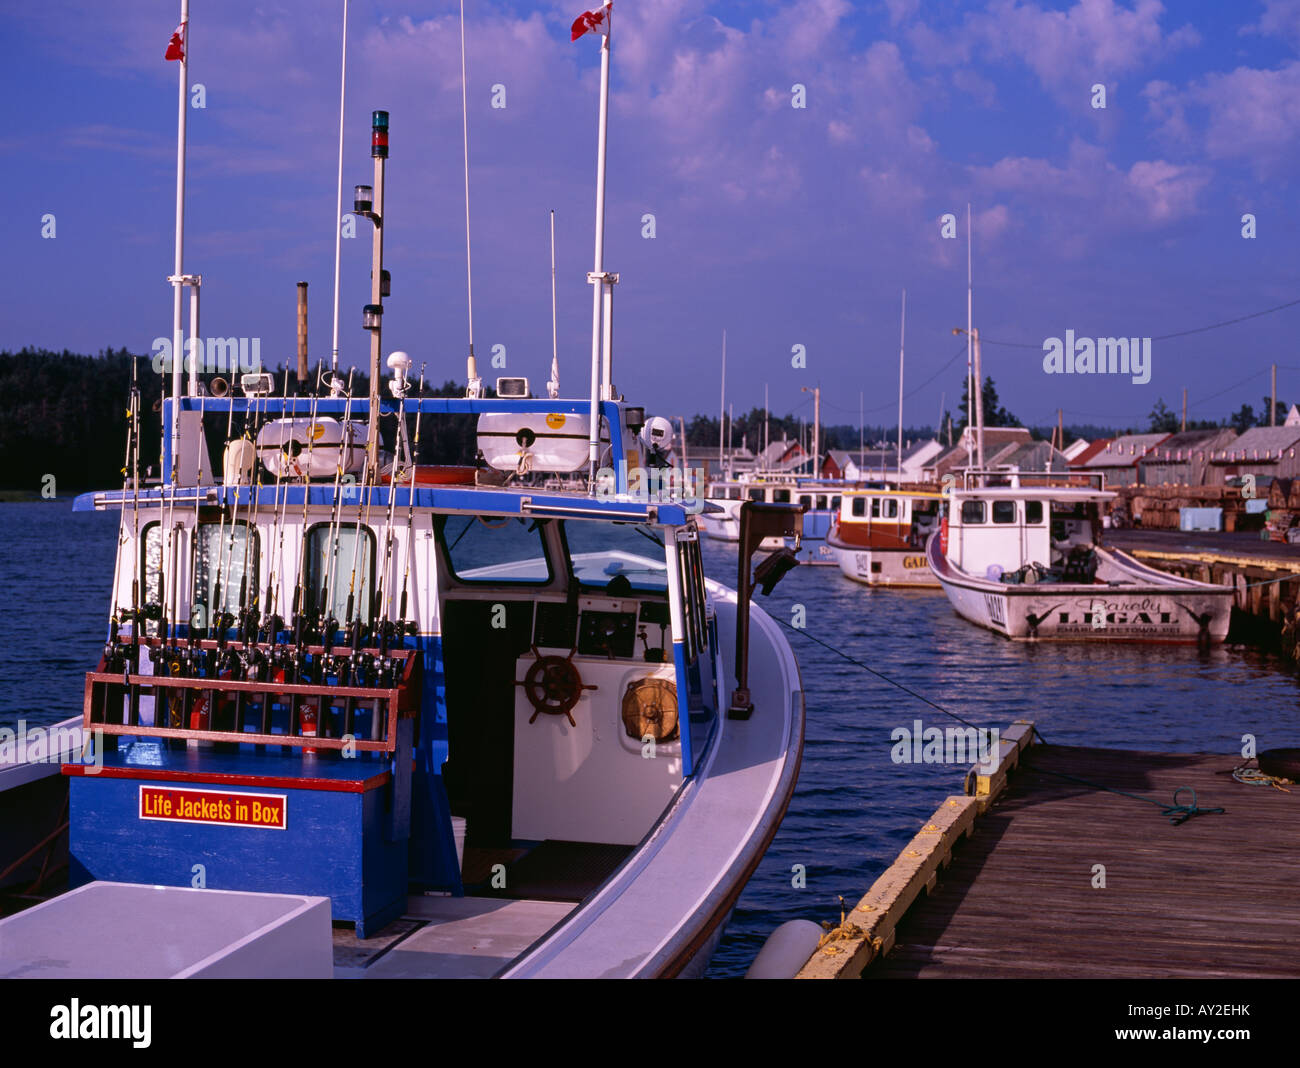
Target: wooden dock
1037,875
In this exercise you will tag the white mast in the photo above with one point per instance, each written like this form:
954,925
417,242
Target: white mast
722,410
338,208
970,388
473,384
598,279
902,327
553,386
177,278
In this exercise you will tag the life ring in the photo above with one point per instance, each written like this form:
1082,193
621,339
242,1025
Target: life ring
553,685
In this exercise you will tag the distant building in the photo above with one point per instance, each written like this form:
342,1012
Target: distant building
880,464
996,441
1292,417
1072,450
1182,458
1267,452
1119,460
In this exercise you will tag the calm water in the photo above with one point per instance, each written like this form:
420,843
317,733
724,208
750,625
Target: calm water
853,809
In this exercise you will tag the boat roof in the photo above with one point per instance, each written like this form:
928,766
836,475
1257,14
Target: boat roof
524,501
1064,494
868,491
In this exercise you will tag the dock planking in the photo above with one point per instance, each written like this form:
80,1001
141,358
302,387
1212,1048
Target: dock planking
1215,897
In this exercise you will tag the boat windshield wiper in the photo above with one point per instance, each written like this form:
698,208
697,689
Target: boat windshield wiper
647,534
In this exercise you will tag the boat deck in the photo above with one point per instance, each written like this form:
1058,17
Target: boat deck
1213,897
447,938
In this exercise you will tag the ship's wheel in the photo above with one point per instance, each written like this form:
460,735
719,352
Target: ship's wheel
553,686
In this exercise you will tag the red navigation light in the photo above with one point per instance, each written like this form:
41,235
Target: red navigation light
379,134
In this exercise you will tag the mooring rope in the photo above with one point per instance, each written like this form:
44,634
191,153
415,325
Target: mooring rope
885,678
1177,813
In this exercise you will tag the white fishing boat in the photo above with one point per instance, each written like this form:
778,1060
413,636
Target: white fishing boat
1024,561
819,498
479,729
878,536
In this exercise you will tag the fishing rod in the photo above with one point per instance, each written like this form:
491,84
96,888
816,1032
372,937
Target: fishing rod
216,603
226,550
275,542
384,585
329,624
393,629
410,511
294,664
113,650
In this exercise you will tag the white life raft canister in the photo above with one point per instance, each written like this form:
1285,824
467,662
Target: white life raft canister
298,447
535,441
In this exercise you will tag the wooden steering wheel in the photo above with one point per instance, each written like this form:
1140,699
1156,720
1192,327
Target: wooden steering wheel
553,686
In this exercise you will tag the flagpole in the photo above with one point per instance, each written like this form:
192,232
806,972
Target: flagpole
596,278
902,328
473,383
553,386
338,209
178,335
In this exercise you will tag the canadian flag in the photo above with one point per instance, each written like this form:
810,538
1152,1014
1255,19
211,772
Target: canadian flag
592,21
176,46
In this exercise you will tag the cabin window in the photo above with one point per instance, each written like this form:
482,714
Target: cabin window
835,504
225,555
151,570
875,507
821,502
972,513
1033,512
859,506
890,508
494,549
590,548
1004,511
781,496
756,495
806,501
733,493
339,559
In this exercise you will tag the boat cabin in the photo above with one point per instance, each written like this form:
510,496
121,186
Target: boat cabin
1024,533
879,518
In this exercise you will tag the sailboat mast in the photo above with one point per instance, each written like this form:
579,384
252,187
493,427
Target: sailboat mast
338,208
722,410
902,327
177,278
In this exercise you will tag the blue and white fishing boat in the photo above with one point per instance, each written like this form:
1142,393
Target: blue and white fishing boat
482,728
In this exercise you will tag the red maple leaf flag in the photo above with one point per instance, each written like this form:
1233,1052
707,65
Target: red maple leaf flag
592,21
176,46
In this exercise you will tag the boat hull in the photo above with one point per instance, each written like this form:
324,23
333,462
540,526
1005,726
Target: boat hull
902,568
1154,607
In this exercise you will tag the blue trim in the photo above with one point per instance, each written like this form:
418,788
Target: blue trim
473,499
683,681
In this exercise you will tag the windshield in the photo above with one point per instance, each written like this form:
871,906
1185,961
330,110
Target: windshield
601,553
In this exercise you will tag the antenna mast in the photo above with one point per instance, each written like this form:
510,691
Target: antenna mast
473,384
553,386
338,208
902,327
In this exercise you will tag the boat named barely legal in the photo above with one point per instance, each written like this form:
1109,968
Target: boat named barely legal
1024,561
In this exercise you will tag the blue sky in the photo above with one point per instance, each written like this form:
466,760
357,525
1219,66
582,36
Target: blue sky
785,226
